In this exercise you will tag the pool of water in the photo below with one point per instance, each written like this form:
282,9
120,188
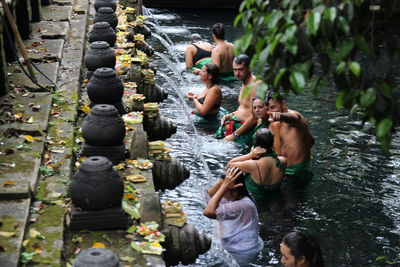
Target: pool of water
352,204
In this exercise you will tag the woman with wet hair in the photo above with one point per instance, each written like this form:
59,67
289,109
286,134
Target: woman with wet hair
263,167
300,250
198,53
208,102
237,217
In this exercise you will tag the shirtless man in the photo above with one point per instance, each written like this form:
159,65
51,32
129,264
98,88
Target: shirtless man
222,54
239,124
296,140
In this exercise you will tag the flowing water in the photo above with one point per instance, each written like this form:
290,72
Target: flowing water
352,204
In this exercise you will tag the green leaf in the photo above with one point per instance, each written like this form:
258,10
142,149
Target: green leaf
330,13
362,44
383,127
27,257
261,89
297,81
368,97
340,67
340,100
354,108
237,19
247,91
279,76
355,68
386,90
344,25
313,21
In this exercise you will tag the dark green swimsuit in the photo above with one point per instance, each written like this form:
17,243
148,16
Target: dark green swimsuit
260,191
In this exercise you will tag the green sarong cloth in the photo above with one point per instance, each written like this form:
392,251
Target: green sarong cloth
210,121
260,192
299,170
243,139
227,76
200,64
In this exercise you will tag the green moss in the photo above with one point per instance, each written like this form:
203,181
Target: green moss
9,224
53,217
41,191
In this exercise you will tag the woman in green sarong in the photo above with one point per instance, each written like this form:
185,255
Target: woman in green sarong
265,170
198,53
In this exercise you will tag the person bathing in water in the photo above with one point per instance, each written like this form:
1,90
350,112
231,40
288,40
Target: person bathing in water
238,125
265,170
237,217
296,140
198,53
222,54
208,102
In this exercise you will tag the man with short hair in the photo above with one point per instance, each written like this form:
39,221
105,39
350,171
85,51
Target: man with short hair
222,54
296,140
238,125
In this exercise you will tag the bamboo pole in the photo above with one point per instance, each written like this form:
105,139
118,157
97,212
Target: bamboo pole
19,40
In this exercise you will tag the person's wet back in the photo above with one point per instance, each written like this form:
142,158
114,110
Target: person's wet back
198,53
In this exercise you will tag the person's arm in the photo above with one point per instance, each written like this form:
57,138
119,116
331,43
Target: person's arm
253,154
275,128
290,117
213,97
246,126
215,57
245,166
211,192
228,183
189,57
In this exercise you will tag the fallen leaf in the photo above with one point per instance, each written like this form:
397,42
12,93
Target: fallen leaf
9,151
98,245
127,259
57,151
35,234
78,239
9,183
7,234
30,120
76,251
29,138
25,242
55,195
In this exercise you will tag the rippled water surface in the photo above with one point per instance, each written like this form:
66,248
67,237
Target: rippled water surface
352,204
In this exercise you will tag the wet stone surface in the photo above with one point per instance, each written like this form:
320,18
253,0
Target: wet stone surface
29,113
20,79
56,13
42,50
50,29
13,215
21,165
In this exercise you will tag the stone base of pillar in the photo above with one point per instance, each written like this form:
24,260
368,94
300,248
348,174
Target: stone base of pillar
115,154
112,218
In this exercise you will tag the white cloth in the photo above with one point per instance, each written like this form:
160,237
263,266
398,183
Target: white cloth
237,226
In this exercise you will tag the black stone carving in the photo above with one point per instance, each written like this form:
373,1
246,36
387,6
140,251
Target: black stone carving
157,127
99,257
102,31
100,55
169,174
96,185
105,3
105,87
106,14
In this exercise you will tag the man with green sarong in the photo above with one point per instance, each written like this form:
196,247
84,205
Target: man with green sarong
238,126
296,139
222,54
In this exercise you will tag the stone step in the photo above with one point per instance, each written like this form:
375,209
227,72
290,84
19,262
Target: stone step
14,216
63,2
50,29
21,166
44,50
20,79
29,112
56,13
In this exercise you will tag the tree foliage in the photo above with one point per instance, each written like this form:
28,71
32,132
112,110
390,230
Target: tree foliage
352,42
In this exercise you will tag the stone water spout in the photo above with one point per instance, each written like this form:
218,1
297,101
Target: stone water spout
157,127
169,174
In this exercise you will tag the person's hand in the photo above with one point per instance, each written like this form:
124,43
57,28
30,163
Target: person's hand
231,175
230,137
257,152
274,116
226,117
191,96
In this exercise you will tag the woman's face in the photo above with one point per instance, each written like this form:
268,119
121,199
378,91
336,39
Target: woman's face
287,258
204,76
260,109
